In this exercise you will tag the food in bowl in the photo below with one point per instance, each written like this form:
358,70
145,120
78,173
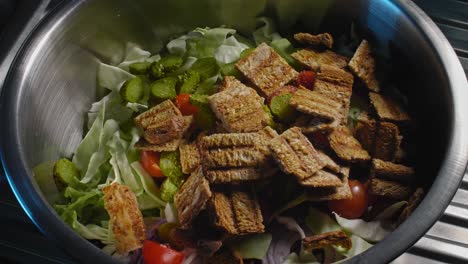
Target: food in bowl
227,148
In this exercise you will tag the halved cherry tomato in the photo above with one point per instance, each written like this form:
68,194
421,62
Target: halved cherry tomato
150,162
155,253
354,207
307,79
184,105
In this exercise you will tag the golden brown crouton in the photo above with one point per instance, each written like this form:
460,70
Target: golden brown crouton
189,157
388,109
316,59
413,202
316,104
157,114
126,219
391,171
322,178
309,124
239,108
192,197
346,146
335,193
363,66
334,238
165,131
324,39
295,154
266,69
389,189
365,132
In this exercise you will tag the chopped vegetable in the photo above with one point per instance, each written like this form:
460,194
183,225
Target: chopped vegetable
164,231
170,166
155,253
65,173
284,49
271,122
157,70
281,109
246,52
184,105
168,191
205,118
164,88
252,246
230,70
190,81
206,67
139,67
132,90
150,162
200,100
171,63
351,208
307,79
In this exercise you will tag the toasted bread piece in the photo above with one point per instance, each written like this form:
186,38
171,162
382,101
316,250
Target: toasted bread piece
316,59
190,157
233,157
295,154
413,202
268,133
224,256
346,146
266,69
309,124
391,171
365,132
322,178
389,189
324,39
335,193
126,219
192,197
337,84
157,114
237,175
334,238
237,213
239,108
316,104
388,109
247,211
165,131
387,141
363,66
229,140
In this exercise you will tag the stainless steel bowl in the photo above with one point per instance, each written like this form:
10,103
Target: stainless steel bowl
51,84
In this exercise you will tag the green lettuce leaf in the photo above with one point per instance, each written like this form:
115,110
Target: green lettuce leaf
370,231
112,77
303,258
319,222
252,246
266,33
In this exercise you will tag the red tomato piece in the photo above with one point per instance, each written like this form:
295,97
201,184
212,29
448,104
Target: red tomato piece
184,105
354,207
307,79
155,253
150,162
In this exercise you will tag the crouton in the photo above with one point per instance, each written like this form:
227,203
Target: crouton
365,133
189,157
316,59
387,141
324,39
388,109
334,238
389,189
346,146
322,178
192,197
334,193
165,131
363,66
157,114
316,104
239,108
309,124
266,69
126,219
413,202
391,171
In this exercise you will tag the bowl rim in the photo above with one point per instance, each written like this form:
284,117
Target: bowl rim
431,208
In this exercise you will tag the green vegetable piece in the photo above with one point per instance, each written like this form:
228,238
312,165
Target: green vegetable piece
281,109
230,70
271,122
284,49
170,166
205,118
164,88
139,67
168,191
171,63
190,81
65,173
132,90
200,100
206,67
157,70
246,52
164,231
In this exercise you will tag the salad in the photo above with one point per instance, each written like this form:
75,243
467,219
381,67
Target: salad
230,149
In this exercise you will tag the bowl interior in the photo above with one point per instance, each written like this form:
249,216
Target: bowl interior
54,78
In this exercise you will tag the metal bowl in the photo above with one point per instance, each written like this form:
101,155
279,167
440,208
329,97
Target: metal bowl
51,85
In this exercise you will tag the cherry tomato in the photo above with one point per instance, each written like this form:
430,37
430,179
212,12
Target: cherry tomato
155,253
354,207
307,79
150,162
184,105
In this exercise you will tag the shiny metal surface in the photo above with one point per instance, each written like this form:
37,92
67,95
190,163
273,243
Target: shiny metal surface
52,84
